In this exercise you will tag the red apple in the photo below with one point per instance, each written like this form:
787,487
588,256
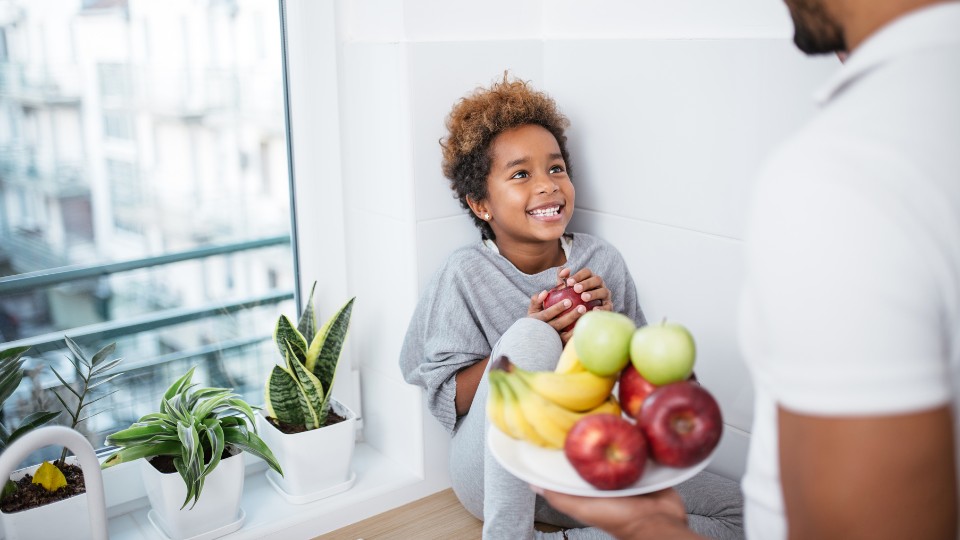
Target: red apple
682,424
562,292
606,451
632,390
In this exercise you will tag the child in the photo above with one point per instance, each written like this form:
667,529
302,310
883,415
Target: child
507,161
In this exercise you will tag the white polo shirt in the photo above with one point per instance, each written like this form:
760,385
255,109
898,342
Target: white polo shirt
851,304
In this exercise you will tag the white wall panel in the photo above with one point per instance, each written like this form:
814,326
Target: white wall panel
370,20
676,19
382,276
693,279
673,131
443,20
437,239
441,74
376,149
389,428
730,457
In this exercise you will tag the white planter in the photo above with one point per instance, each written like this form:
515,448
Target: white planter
315,463
81,517
216,513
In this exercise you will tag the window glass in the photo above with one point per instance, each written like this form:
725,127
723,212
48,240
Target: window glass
144,196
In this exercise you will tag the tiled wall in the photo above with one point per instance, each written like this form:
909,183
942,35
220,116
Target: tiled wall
672,110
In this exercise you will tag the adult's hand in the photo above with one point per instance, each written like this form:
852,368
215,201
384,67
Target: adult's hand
659,515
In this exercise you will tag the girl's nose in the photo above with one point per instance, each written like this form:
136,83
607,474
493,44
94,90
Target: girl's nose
546,184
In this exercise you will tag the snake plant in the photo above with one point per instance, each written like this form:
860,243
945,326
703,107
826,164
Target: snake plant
193,426
298,393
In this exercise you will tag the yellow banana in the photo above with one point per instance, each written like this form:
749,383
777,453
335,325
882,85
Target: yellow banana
495,407
569,361
550,421
518,425
610,406
577,391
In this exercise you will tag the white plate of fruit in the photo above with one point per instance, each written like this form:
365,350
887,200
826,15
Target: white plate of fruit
565,431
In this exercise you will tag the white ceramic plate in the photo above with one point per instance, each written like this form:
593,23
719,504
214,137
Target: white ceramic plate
551,470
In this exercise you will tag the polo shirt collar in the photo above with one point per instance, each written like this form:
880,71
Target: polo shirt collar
924,28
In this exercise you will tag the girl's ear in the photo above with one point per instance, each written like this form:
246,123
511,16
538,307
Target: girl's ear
479,209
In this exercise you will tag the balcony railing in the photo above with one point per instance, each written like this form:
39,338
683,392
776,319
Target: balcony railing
228,337
23,165
41,84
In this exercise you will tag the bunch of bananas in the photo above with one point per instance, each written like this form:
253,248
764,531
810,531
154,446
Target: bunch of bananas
540,407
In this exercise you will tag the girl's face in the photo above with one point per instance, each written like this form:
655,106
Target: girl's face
529,195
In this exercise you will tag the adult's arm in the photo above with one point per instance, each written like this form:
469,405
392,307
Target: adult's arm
870,477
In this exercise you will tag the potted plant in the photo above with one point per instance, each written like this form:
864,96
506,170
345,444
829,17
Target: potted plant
193,446
312,434
51,497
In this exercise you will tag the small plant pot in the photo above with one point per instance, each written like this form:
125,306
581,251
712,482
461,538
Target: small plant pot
81,517
62,519
216,513
316,463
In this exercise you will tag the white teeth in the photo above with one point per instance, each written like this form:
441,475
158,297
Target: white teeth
552,211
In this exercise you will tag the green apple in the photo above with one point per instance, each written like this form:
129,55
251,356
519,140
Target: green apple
602,341
663,353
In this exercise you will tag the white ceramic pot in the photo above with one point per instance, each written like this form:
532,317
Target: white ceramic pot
218,508
315,463
81,517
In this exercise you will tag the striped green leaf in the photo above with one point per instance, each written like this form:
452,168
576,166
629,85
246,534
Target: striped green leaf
250,442
281,397
330,341
310,396
308,319
286,332
133,453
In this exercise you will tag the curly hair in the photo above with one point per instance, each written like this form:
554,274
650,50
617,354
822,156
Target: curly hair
477,119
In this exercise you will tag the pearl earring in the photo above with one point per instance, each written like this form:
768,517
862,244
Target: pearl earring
486,216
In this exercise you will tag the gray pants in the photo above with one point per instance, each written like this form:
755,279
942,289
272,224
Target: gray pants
505,503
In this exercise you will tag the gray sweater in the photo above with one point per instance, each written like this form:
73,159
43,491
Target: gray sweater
475,296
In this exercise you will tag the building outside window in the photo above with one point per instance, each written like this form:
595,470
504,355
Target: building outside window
141,162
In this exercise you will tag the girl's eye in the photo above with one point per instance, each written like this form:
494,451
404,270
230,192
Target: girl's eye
556,169
520,174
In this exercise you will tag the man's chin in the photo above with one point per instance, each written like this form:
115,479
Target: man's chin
812,46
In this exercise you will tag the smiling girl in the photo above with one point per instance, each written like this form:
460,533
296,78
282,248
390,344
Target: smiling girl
507,161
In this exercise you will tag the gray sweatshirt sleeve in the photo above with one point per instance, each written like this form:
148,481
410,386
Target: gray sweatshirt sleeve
431,358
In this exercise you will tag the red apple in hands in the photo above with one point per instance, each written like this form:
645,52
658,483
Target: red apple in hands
562,292
682,424
606,451
632,390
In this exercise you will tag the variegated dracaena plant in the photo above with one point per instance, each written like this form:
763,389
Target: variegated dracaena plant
193,425
298,393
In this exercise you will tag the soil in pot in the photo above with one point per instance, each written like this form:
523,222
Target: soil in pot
29,495
165,465
290,429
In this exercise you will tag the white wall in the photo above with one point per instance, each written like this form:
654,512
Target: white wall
673,106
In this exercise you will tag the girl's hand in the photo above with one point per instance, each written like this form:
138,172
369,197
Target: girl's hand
589,285
553,315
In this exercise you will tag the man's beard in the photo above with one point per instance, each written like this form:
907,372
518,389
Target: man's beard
815,31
